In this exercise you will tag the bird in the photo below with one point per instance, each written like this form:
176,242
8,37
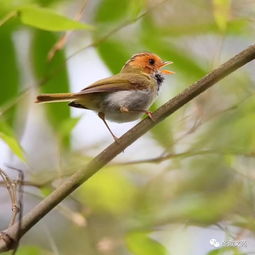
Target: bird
123,97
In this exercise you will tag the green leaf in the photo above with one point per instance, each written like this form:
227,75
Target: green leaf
106,11
110,48
9,72
58,82
221,12
47,19
135,7
225,251
8,137
139,243
29,250
108,191
46,190
238,26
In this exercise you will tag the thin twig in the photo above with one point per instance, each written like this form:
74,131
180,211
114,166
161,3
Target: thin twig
15,191
82,175
157,160
18,206
10,186
8,17
63,39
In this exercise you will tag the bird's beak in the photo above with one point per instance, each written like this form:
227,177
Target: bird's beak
166,63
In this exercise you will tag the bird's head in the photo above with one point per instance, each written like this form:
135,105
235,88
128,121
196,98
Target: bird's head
146,62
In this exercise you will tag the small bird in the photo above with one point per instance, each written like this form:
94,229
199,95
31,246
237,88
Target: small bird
123,97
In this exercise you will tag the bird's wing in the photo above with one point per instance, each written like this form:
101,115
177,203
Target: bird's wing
123,81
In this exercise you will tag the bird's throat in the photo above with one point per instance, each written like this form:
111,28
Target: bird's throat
159,78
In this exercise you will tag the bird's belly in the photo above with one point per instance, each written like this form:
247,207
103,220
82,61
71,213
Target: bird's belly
133,100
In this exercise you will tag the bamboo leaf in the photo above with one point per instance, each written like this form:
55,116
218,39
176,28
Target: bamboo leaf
221,12
7,135
58,82
47,19
9,72
136,7
30,250
109,191
106,13
139,243
226,251
115,48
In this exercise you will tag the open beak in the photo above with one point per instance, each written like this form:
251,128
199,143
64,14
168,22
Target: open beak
166,63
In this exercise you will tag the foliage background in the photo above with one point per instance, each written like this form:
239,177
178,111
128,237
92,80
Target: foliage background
196,178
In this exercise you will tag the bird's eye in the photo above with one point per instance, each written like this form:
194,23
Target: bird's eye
151,61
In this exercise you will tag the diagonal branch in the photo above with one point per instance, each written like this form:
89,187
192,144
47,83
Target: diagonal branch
39,211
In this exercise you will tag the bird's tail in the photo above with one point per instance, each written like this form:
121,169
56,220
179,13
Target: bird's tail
51,98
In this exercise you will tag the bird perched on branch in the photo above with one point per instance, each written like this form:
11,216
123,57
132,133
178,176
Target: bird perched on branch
122,97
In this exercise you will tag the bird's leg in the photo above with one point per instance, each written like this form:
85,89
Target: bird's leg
101,115
148,113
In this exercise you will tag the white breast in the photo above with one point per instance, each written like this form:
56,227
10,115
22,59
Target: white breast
133,100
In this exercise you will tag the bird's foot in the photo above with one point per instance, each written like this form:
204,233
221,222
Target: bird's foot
149,114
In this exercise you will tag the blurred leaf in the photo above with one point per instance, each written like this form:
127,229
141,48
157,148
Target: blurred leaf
223,134
211,208
245,221
205,194
106,10
46,191
238,27
226,251
50,2
9,72
201,209
136,7
209,192
139,243
47,19
66,128
114,53
184,62
30,250
58,82
109,190
8,137
221,11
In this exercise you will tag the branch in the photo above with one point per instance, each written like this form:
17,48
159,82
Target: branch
39,211
159,159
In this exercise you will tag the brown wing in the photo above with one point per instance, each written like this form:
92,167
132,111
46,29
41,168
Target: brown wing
118,82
